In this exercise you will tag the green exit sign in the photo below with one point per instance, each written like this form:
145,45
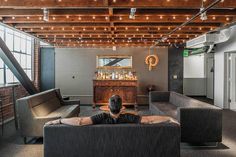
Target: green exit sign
185,53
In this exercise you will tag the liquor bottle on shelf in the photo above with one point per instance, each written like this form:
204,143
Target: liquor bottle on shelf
115,74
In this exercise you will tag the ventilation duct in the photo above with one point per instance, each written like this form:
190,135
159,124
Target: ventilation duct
210,39
206,49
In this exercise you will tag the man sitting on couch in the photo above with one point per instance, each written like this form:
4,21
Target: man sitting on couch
114,117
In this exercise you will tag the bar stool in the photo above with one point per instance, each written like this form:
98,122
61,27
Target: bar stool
2,115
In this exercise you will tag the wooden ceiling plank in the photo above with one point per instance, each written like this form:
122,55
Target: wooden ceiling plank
141,19
117,25
118,4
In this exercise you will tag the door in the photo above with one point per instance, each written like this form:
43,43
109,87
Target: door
232,82
210,78
47,68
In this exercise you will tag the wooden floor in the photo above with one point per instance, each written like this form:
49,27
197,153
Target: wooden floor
11,145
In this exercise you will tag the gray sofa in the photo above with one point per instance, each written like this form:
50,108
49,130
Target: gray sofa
35,110
200,122
121,140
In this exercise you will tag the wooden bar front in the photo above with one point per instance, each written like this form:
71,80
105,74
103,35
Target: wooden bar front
104,89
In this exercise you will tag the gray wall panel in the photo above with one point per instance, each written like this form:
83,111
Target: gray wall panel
81,63
175,60
195,86
47,62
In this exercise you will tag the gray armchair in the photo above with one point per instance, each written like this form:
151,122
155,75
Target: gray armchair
35,110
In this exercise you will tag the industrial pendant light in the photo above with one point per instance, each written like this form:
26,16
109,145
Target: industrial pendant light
45,14
203,16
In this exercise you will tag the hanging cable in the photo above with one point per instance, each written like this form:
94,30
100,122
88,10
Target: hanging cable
187,22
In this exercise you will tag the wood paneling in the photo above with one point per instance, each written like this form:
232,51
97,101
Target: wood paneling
110,3
111,17
104,89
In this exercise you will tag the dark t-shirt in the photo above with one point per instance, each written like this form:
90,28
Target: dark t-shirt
105,118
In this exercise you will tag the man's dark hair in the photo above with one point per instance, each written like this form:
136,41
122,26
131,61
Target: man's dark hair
115,104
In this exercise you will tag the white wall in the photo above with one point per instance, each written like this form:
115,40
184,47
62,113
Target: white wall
194,83
194,66
221,49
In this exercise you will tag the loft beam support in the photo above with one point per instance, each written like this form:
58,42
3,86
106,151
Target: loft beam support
16,69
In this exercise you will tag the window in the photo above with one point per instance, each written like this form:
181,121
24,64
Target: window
2,32
1,72
21,46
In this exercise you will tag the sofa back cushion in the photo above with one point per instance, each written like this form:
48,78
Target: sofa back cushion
183,101
178,100
44,103
121,140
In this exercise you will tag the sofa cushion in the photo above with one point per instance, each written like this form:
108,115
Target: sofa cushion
180,100
177,99
40,98
46,107
190,102
65,111
166,108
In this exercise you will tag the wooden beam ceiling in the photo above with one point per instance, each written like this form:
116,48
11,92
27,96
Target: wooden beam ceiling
106,23
111,3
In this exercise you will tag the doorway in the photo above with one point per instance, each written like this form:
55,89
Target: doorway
210,78
232,81
47,68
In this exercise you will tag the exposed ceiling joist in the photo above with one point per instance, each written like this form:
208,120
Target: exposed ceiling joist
92,20
27,4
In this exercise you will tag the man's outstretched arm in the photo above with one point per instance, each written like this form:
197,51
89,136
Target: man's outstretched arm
76,121
156,119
